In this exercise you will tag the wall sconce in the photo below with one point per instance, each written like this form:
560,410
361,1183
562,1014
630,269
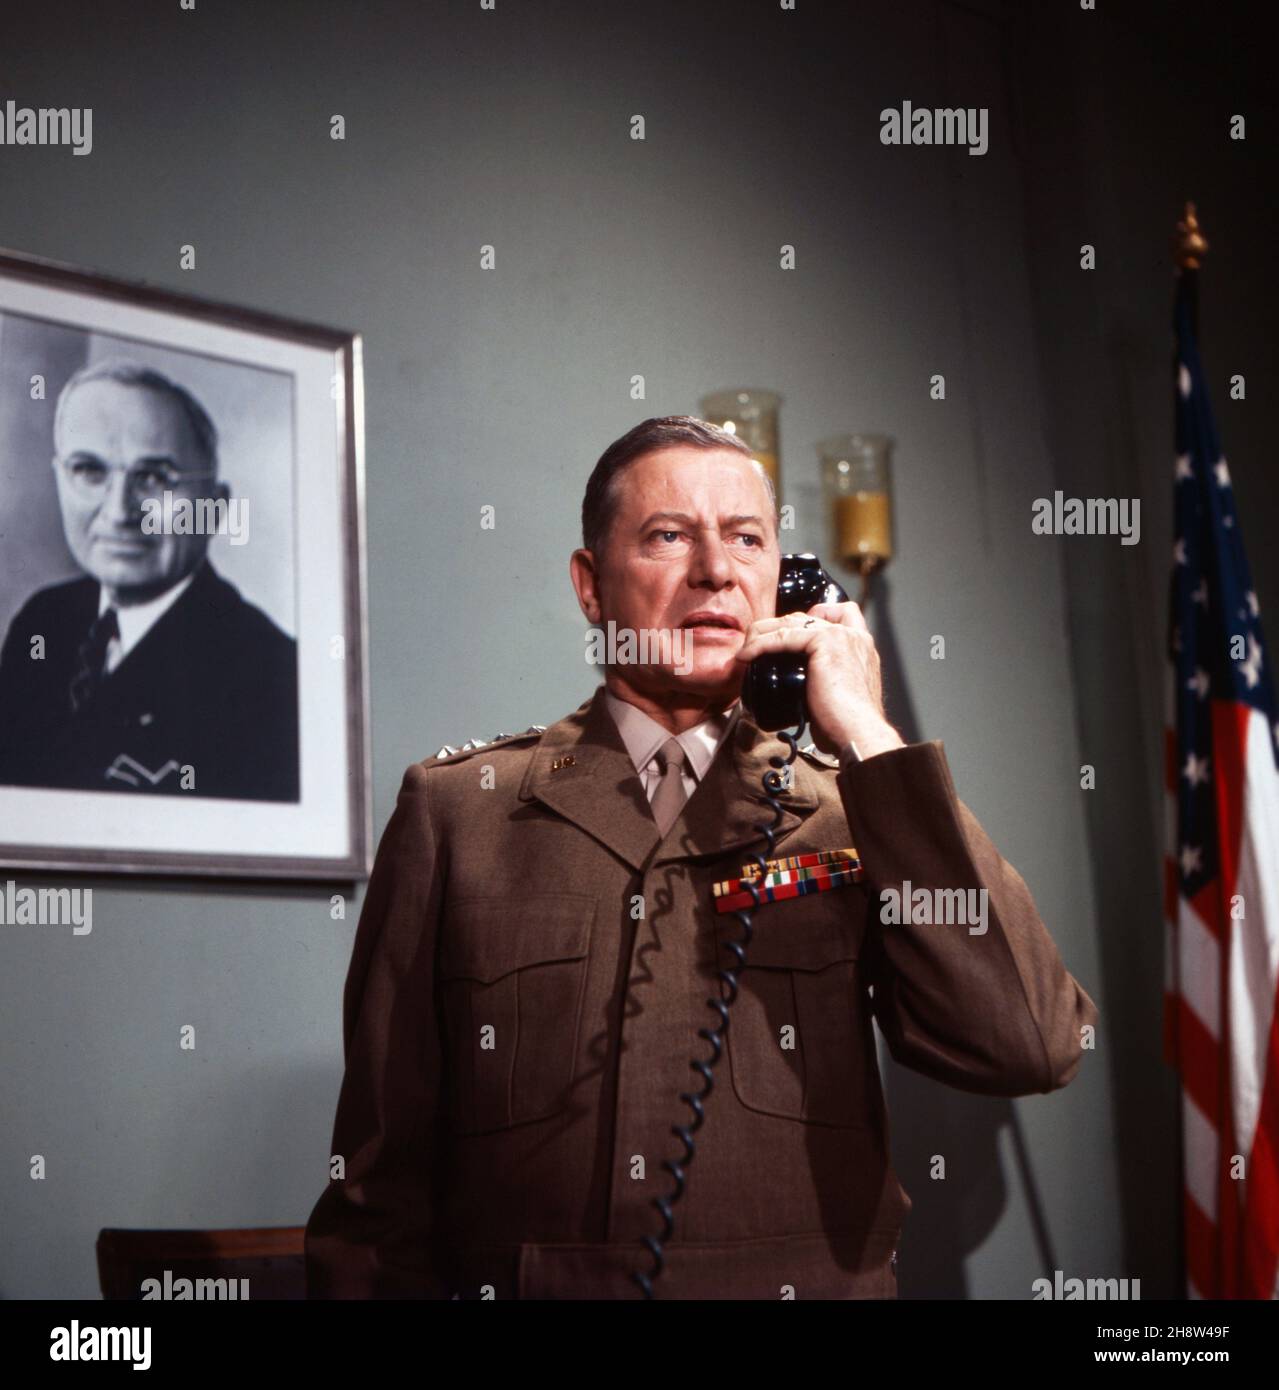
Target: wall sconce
751,414
858,482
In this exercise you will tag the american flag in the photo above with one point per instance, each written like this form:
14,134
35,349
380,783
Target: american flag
1221,1027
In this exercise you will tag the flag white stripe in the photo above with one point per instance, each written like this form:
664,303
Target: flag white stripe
1199,952
1254,956
1200,1143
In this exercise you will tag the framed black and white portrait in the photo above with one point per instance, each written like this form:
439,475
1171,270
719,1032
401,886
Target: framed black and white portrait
182,682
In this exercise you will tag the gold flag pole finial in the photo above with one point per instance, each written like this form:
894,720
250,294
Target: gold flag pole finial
1190,244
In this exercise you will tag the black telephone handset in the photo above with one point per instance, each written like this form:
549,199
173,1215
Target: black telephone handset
773,689
773,692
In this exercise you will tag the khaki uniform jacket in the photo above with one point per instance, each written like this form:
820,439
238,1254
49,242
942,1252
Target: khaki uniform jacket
530,972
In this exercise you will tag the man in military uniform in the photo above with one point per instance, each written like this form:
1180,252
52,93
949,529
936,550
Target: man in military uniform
540,939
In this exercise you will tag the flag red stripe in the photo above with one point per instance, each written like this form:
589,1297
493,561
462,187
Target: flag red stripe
1200,1062
1261,1223
1207,906
1229,775
1229,1203
1201,1242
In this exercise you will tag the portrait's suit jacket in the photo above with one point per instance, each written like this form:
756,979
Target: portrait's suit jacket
212,685
529,975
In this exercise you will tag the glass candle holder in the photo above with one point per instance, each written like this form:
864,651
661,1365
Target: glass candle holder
857,481
750,413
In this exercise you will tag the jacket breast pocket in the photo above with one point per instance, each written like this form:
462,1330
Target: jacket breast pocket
800,1040
512,974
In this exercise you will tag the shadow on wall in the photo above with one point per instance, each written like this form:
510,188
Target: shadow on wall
950,1218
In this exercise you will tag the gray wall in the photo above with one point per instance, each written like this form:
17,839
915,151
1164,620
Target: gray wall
1119,125
614,258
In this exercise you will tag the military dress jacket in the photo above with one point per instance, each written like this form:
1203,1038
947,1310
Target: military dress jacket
530,971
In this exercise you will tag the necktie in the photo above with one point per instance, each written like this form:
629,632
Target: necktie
93,659
668,799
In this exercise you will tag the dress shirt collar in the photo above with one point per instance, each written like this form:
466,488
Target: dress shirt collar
644,736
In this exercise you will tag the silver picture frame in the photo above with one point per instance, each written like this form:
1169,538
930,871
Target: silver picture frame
326,834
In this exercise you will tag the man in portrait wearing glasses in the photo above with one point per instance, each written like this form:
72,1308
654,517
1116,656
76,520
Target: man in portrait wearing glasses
150,673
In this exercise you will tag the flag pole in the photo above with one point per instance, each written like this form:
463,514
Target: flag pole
1189,248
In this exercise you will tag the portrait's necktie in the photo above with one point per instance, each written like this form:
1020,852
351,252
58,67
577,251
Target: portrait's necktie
93,658
668,800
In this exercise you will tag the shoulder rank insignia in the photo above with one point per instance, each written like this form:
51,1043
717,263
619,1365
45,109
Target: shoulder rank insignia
474,745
